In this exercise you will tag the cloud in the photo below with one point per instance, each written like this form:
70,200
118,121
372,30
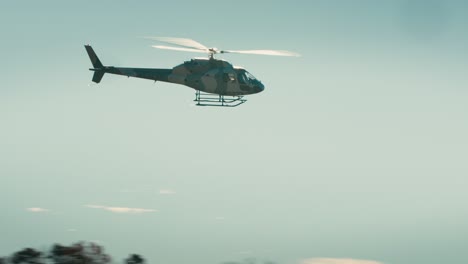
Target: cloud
37,210
122,210
166,191
338,261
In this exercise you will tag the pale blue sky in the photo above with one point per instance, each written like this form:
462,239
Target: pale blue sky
357,149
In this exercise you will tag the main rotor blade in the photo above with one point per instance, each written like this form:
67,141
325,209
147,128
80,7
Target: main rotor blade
180,49
264,52
187,43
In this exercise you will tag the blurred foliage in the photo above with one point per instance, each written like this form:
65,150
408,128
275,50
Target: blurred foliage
78,253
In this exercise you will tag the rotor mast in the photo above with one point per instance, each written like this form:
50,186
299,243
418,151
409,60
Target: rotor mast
212,52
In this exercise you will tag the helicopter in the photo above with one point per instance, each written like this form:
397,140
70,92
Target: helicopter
216,82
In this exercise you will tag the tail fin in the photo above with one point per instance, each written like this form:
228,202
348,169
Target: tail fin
98,67
94,58
98,76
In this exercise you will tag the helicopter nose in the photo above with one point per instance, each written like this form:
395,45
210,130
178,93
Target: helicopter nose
260,87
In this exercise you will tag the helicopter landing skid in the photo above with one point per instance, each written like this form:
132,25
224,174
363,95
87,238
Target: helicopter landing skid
206,99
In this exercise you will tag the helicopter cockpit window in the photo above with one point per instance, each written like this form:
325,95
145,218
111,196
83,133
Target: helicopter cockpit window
249,76
246,77
242,78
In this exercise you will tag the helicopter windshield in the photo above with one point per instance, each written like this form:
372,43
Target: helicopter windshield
250,76
246,77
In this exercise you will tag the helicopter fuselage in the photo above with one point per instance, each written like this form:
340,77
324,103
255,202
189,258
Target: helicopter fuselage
216,77
206,75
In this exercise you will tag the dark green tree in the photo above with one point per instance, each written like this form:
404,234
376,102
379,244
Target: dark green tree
27,255
79,253
134,259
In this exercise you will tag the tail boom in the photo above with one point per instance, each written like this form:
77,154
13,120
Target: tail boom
99,70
